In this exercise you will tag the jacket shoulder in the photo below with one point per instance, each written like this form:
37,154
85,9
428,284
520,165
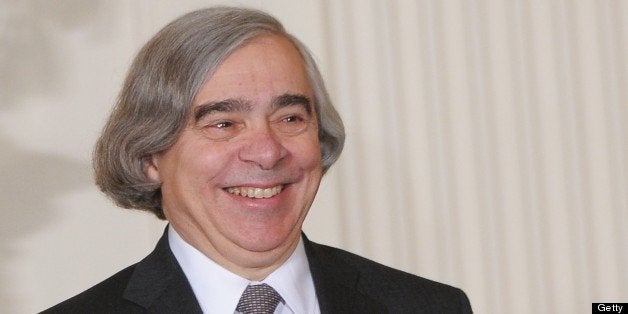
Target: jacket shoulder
399,291
104,297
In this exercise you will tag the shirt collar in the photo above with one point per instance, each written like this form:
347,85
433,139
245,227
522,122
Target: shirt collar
218,290
293,281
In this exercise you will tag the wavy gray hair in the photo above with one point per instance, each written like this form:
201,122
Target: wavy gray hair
157,94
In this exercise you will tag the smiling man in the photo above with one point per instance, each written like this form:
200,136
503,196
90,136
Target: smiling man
224,128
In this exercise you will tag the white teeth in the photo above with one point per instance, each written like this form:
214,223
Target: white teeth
255,192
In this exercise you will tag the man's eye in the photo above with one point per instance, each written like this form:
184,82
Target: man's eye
221,129
222,124
292,124
293,119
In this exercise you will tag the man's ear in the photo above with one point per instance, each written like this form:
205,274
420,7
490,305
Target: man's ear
150,164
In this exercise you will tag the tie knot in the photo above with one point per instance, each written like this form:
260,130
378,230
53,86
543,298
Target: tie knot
258,299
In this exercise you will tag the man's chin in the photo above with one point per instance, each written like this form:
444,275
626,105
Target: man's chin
268,242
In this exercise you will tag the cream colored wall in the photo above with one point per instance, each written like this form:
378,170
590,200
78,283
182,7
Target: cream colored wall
486,143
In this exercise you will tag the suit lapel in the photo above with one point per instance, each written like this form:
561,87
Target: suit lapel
159,284
337,283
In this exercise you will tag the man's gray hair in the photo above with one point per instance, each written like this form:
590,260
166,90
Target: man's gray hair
155,100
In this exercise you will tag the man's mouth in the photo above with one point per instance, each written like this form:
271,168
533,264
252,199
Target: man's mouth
252,192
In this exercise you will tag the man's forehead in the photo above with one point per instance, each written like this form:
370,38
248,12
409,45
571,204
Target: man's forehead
262,52
259,71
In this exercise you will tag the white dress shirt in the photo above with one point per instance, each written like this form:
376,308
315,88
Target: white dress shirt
218,290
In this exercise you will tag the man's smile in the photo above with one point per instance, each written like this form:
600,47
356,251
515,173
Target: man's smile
253,192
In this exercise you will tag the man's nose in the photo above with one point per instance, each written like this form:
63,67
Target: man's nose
263,148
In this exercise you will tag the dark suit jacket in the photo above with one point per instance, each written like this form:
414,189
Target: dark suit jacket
344,283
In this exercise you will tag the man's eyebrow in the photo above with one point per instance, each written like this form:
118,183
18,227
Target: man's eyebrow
227,105
292,100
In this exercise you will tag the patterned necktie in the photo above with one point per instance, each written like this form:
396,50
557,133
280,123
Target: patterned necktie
259,299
